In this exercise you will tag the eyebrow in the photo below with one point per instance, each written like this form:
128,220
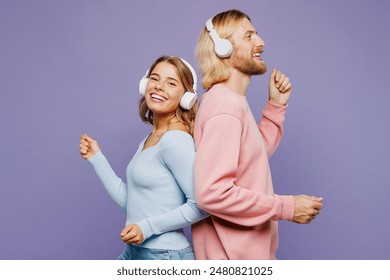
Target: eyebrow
169,78
250,32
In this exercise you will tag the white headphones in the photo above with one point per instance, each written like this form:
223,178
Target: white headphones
222,47
189,98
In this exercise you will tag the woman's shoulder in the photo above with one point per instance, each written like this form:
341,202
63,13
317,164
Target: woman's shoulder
177,135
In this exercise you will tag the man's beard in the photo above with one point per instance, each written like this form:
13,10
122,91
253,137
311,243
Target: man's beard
248,66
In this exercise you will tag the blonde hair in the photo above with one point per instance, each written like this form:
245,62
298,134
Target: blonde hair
186,117
214,69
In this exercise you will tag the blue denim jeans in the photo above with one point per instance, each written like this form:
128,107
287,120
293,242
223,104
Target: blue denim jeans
132,252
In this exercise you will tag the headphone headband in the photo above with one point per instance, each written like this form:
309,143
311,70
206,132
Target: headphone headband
210,28
194,77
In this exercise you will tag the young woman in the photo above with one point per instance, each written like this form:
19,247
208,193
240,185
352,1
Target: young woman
159,196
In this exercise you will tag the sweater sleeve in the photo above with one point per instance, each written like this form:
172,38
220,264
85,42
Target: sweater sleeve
178,154
216,167
271,126
115,187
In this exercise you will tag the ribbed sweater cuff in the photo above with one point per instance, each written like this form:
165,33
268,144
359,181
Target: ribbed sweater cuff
288,207
97,159
275,112
146,229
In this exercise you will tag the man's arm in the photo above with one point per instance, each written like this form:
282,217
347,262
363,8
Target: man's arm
270,126
216,167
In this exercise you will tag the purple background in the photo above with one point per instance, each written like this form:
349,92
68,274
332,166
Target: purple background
69,67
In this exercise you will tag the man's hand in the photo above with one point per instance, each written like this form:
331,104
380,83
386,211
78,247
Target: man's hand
306,208
279,88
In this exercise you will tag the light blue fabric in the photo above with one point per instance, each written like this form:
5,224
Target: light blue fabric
159,194
133,252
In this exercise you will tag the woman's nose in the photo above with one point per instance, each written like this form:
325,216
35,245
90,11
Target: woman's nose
159,86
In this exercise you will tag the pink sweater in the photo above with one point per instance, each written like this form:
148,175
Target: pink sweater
233,179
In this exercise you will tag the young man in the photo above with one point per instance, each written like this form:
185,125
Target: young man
232,175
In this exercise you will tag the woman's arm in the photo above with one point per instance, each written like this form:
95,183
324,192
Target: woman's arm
114,185
90,150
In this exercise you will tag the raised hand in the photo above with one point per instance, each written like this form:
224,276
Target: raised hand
88,146
279,88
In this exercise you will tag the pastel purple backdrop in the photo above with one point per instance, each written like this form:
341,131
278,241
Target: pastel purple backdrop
73,67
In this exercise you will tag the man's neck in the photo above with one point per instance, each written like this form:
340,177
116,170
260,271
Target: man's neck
237,82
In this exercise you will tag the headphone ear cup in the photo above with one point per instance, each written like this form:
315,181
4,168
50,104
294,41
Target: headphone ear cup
223,48
188,100
142,85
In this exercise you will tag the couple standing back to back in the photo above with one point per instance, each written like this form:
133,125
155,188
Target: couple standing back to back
224,189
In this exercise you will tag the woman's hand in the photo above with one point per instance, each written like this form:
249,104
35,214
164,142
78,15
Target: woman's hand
88,146
132,234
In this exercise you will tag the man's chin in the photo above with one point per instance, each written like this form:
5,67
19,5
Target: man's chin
261,71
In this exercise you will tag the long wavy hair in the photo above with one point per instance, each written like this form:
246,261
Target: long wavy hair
187,117
214,69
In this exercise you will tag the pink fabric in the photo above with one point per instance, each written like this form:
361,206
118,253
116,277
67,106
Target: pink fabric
233,180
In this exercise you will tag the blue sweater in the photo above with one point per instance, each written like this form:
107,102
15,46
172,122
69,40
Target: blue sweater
159,194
